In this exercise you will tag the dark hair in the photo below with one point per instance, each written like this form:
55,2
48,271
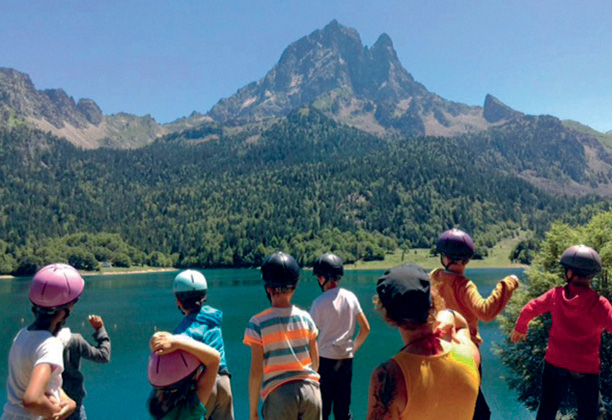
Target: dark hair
281,289
437,304
191,300
181,396
44,316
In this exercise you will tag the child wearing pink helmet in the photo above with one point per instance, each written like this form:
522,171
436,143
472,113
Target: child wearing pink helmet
183,373
36,356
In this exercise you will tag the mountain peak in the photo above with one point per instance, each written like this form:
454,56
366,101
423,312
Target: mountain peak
383,41
368,88
495,110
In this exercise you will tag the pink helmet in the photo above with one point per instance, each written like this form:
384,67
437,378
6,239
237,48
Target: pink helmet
56,285
171,368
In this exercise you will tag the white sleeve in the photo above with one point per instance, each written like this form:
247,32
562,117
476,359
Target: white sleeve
356,306
314,313
51,351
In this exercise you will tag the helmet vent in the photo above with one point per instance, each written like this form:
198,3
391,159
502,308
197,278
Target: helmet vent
67,284
42,292
157,365
184,361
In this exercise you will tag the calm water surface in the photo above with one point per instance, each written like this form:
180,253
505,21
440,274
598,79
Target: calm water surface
135,306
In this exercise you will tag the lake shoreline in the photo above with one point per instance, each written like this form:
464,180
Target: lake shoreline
361,266
135,270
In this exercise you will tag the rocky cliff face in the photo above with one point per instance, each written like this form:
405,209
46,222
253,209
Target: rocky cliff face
494,110
364,87
82,123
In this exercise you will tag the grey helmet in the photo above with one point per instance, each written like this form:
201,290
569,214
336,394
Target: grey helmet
582,260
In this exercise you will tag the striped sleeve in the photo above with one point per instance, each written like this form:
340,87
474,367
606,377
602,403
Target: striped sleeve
252,334
314,332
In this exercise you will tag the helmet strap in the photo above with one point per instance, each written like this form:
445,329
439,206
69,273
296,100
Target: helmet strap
322,285
450,262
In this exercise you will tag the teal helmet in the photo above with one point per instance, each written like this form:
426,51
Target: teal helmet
190,282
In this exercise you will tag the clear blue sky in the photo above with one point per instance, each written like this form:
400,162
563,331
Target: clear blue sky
168,58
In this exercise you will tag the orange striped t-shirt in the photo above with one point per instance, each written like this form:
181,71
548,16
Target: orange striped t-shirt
284,334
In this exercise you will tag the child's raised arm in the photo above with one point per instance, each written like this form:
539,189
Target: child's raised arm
100,353
532,309
164,343
487,309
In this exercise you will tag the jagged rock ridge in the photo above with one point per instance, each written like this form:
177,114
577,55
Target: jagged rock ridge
364,87
82,122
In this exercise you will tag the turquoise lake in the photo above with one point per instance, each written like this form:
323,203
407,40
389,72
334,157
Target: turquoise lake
135,306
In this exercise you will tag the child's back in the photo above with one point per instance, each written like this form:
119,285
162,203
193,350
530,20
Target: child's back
284,334
461,294
203,324
77,348
335,312
456,249
578,316
284,352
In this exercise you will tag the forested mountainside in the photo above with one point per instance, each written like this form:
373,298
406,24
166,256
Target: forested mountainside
306,185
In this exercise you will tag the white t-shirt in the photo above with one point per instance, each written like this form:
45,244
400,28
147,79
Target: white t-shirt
334,312
29,349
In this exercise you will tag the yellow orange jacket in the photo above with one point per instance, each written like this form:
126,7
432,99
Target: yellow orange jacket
461,294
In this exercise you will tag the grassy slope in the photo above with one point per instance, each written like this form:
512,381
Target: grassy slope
498,257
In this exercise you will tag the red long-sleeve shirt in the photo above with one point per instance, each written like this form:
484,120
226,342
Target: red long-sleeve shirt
575,336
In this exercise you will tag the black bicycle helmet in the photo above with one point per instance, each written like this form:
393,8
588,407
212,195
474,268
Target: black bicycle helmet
280,270
328,265
456,245
582,260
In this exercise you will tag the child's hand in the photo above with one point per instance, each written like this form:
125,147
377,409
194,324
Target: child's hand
445,321
66,409
163,343
516,336
513,282
95,321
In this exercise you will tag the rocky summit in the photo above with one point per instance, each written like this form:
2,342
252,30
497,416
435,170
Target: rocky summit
367,88
82,122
